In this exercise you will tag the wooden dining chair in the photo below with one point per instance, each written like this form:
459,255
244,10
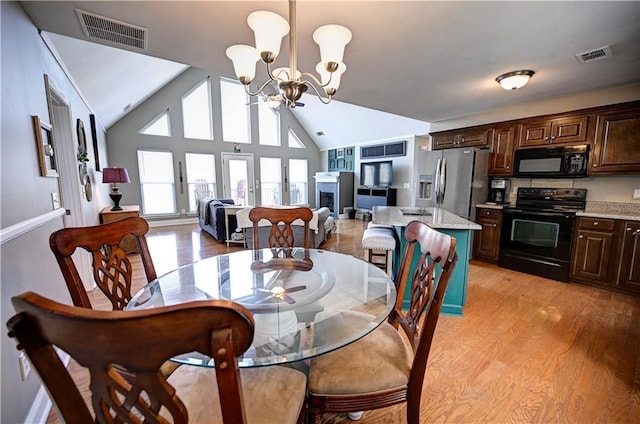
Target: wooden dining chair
142,341
380,369
112,268
281,238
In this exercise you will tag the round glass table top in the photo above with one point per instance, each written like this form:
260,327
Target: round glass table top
298,313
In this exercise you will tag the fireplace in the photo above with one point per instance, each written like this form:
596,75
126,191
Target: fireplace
334,190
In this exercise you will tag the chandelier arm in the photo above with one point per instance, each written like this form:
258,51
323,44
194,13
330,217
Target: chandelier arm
316,80
260,90
325,100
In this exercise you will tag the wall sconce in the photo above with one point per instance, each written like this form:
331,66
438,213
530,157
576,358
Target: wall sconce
515,79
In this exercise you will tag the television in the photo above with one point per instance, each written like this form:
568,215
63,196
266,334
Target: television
376,174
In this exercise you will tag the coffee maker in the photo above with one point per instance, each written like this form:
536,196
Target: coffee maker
499,190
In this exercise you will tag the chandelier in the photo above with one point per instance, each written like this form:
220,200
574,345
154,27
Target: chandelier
287,85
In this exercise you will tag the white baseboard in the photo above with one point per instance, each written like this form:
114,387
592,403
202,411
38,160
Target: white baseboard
170,222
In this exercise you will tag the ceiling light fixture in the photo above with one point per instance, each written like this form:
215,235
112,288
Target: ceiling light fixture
515,79
269,29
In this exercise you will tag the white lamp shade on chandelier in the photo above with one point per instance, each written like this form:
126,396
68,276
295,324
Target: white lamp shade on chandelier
514,80
269,29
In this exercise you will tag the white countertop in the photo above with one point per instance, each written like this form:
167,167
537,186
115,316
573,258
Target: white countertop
623,215
439,218
492,205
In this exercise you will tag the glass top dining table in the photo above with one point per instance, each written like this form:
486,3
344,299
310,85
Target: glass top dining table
298,313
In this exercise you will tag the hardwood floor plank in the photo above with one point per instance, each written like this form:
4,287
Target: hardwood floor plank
527,350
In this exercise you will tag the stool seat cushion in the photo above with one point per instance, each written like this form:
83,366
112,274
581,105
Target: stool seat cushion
378,238
372,225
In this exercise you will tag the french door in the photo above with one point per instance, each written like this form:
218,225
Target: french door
238,178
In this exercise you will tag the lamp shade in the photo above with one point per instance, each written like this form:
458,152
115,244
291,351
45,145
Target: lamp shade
269,28
244,60
514,80
115,175
332,39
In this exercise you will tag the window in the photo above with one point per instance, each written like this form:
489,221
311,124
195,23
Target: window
201,177
157,183
294,140
269,124
158,126
298,193
271,176
236,121
196,112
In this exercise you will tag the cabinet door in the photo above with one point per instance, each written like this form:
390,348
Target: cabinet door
487,241
629,272
535,133
617,143
592,251
573,129
474,137
445,140
501,151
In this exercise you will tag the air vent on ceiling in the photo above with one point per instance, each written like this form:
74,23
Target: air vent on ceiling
597,54
107,29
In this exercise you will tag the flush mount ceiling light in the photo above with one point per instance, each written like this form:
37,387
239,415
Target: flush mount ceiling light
289,83
515,79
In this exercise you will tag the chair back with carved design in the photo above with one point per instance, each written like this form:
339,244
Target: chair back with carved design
383,369
112,269
141,341
281,238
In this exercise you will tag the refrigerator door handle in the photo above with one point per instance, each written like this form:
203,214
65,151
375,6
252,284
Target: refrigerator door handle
437,182
443,180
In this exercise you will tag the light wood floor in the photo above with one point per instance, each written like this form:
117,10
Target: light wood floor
528,349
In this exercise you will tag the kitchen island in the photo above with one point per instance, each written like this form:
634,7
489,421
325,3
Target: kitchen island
445,222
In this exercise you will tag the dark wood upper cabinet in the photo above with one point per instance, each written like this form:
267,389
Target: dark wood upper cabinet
558,130
501,150
467,137
616,148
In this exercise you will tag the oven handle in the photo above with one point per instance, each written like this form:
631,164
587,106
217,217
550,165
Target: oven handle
538,213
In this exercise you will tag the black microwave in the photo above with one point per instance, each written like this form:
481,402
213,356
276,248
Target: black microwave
551,162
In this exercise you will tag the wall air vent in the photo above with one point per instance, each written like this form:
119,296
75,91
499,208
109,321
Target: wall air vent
107,29
593,55
382,150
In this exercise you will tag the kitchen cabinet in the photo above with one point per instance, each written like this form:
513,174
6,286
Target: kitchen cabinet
616,148
554,130
594,251
501,150
486,242
628,278
466,137
606,254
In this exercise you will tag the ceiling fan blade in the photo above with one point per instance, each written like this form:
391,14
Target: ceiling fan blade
295,289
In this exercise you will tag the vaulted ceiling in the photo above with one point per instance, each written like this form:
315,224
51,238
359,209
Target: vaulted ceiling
412,61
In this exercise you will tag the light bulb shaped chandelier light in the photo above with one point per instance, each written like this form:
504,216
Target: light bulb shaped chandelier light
269,29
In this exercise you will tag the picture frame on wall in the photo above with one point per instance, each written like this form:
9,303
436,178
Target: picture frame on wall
44,142
341,164
332,163
340,153
349,151
349,165
94,140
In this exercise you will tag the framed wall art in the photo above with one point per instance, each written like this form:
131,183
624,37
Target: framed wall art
44,142
94,139
340,153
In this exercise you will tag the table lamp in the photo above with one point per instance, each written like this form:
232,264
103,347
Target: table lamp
115,176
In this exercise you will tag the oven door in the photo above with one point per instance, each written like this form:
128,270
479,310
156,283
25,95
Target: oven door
537,243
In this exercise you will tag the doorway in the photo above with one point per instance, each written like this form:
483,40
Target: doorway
238,178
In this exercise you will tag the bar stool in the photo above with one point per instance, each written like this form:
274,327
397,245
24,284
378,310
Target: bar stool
378,239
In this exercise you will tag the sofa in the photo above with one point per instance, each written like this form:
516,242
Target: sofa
321,225
211,217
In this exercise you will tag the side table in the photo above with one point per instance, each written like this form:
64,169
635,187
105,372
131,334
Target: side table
129,244
232,210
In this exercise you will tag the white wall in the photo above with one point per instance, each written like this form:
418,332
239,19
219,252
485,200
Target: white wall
27,262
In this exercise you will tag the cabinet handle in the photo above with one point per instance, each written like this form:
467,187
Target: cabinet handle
489,213
580,236
508,167
553,137
595,223
495,225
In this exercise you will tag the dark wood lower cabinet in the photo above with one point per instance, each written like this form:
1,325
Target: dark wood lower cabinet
629,272
606,254
486,242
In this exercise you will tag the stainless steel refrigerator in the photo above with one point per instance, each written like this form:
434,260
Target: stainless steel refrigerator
454,179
